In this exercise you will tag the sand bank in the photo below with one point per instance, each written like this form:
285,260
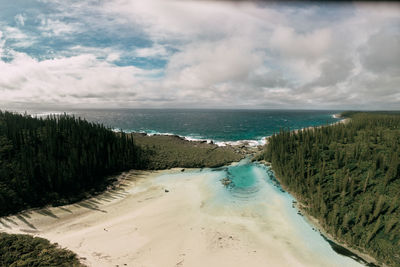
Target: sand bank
170,218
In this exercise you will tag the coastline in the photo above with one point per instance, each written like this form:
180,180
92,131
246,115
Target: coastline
249,143
141,223
314,221
244,142
97,216
241,147
339,116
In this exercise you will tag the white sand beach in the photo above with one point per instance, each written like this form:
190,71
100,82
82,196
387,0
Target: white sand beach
140,224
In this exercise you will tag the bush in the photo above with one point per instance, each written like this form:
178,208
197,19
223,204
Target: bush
25,250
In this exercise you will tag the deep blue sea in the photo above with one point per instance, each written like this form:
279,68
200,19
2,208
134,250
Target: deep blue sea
216,125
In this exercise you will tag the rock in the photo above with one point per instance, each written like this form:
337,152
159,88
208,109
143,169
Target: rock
139,134
299,213
166,190
226,181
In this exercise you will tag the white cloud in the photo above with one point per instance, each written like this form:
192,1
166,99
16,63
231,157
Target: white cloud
204,64
14,33
113,57
79,79
158,51
2,42
17,36
381,53
309,46
188,19
109,54
20,19
56,27
217,53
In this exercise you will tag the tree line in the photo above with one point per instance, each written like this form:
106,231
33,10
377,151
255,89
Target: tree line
348,177
57,159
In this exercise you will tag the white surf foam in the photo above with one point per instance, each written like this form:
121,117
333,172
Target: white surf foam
251,143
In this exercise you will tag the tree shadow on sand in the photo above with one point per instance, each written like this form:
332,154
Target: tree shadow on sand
8,219
88,205
65,209
21,218
47,212
4,224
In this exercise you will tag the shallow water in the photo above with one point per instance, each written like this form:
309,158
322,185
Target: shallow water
254,194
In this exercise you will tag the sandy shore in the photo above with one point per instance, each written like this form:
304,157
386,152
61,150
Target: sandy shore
318,226
314,221
151,221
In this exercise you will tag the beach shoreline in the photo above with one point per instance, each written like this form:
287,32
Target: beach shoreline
101,229
139,226
168,218
314,221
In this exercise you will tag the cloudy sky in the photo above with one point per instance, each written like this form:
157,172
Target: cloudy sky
162,53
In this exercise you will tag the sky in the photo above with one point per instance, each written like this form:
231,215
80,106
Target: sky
199,54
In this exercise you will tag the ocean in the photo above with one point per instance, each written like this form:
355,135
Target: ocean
220,126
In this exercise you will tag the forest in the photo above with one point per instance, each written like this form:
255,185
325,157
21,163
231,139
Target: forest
347,176
58,159
62,159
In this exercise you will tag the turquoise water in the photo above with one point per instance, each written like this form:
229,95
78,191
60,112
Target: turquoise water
216,125
255,183
255,195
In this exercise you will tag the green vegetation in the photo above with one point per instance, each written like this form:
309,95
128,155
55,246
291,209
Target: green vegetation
57,160
60,159
348,177
25,250
163,152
